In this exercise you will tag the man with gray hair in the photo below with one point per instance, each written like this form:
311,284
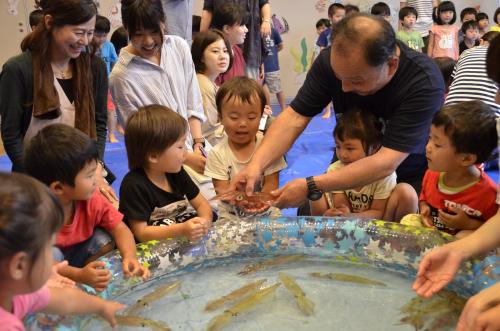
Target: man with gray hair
367,68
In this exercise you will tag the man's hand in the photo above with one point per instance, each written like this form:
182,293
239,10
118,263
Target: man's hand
293,194
246,180
196,161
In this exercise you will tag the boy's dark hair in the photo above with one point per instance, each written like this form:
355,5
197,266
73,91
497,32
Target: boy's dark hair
229,14
489,36
196,23
495,17
36,16
381,9
468,11
362,125
59,152
201,41
405,11
323,22
102,24
29,216
119,39
470,126
446,65
492,63
142,14
379,45
482,16
242,88
350,9
151,130
469,25
332,9
442,7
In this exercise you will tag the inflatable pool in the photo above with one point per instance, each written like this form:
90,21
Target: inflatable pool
346,274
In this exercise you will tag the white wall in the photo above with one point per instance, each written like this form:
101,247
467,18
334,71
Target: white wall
301,17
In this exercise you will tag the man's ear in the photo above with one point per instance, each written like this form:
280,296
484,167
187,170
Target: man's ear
469,159
393,64
18,265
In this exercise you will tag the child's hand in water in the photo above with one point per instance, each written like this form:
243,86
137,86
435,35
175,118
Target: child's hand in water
108,311
95,275
194,229
56,280
204,222
132,267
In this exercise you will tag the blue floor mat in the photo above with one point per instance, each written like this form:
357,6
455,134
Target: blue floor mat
310,155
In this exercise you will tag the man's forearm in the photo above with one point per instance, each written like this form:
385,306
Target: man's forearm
483,239
279,137
362,172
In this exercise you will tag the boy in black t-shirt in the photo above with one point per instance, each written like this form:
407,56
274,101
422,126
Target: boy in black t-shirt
157,196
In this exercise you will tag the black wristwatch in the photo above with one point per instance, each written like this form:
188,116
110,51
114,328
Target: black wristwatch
313,192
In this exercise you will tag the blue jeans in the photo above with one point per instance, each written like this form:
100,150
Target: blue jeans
76,255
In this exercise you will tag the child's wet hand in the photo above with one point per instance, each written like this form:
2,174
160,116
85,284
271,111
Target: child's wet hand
193,229
95,275
132,267
109,310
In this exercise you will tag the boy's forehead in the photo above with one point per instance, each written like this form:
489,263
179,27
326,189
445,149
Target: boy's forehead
234,101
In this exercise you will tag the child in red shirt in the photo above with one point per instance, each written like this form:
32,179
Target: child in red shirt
65,159
457,196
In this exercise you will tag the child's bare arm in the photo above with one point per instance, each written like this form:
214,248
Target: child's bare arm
271,182
72,301
125,243
144,232
319,207
221,186
93,274
203,209
430,45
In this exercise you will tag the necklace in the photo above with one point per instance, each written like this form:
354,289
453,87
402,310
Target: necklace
62,72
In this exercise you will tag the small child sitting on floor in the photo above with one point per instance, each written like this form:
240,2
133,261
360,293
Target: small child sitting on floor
357,135
457,196
65,159
157,196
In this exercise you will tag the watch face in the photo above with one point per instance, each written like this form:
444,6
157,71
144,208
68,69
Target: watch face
315,195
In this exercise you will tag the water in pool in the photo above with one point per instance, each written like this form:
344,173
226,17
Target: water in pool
376,299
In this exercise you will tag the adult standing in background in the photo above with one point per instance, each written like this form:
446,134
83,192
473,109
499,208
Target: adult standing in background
259,26
179,18
55,80
424,22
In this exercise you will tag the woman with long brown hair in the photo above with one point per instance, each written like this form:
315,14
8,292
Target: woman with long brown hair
55,79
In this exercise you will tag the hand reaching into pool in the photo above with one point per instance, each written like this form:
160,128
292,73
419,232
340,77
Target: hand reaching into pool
56,279
482,311
131,267
96,275
437,269
339,210
293,194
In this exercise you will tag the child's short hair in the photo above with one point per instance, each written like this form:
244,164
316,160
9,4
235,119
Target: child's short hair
229,14
350,9
29,215
405,11
482,16
142,14
332,9
57,153
152,129
442,7
242,88
489,36
323,22
36,16
446,66
119,39
469,25
201,41
468,11
359,124
380,9
470,126
495,17
102,24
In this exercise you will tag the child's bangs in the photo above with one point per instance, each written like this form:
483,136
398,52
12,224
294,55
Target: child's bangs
447,6
145,18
